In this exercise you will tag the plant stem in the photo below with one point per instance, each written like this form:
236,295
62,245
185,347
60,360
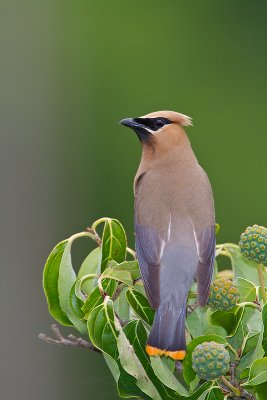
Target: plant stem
118,291
251,304
262,284
94,235
234,389
70,341
234,352
132,252
99,221
100,287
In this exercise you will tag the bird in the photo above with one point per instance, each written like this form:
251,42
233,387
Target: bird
174,222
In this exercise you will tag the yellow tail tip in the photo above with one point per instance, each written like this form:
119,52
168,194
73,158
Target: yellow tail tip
175,355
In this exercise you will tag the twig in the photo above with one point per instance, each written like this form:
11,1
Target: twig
137,280
247,395
232,372
71,340
191,307
118,291
262,284
121,321
232,388
95,235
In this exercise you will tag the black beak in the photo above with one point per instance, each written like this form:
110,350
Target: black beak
131,123
138,127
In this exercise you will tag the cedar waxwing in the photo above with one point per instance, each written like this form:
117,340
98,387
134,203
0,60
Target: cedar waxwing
174,226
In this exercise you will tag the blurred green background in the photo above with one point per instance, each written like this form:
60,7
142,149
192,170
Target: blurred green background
69,72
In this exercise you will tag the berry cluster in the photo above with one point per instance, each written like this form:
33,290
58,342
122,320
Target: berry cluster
223,295
253,244
210,360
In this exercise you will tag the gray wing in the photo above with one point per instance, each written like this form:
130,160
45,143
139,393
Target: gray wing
206,253
149,248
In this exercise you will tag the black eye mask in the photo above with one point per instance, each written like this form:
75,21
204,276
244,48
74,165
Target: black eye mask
154,124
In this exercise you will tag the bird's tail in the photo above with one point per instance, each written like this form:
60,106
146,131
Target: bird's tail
167,336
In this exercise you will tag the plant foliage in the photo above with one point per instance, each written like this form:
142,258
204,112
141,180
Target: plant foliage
106,302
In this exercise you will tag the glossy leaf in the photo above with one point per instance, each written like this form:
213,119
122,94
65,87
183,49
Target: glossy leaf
243,268
131,266
257,373
101,328
140,305
107,335
114,243
66,280
260,391
264,320
137,336
80,286
202,392
50,283
90,266
229,319
96,298
198,323
215,393
247,290
75,305
166,376
121,306
123,276
188,372
253,351
133,366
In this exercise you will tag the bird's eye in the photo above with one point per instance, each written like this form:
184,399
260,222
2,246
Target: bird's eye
159,123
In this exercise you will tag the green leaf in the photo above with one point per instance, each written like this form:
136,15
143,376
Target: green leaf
113,366
96,298
215,394
202,392
257,373
260,391
247,290
198,323
121,306
101,328
127,386
137,336
114,242
119,275
229,319
188,372
164,374
75,305
90,266
50,283
140,305
253,351
264,320
242,267
133,366
131,266
107,335
79,286
66,280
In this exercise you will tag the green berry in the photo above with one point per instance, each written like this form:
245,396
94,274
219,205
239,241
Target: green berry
253,244
223,295
210,360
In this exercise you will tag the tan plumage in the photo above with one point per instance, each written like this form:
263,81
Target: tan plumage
174,226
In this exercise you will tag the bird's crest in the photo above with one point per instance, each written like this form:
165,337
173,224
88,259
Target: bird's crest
173,116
